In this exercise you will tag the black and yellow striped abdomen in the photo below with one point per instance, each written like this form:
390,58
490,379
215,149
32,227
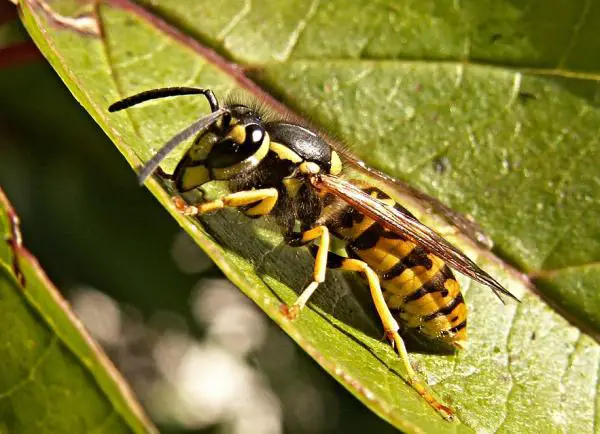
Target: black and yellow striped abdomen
419,288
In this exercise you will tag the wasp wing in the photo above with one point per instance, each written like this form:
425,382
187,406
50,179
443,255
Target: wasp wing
465,225
399,220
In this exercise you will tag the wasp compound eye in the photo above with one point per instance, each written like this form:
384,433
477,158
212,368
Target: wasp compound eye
242,143
254,134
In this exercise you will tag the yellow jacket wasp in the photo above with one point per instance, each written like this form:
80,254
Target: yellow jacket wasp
290,172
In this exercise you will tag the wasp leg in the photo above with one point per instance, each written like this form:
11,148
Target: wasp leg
390,326
265,200
321,233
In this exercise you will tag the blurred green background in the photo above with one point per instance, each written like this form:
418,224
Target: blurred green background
199,355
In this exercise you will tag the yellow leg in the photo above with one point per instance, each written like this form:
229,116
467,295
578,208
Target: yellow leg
319,271
265,200
391,328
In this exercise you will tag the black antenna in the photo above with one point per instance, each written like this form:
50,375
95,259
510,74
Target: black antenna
164,92
184,134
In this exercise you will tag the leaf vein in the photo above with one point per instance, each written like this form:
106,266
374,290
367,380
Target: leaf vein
569,363
295,35
144,57
195,75
596,407
31,374
511,373
237,18
576,30
105,422
565,230
523,69
111,70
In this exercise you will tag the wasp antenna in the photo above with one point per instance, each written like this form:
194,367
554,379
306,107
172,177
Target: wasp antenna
164,92
202,123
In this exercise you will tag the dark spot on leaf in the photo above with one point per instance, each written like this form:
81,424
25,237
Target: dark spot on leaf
525,97
533,336
495,37
441,164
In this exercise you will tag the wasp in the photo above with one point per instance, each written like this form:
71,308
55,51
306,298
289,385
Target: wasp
288,171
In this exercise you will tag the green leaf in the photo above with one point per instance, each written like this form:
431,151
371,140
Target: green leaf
53,377
485,107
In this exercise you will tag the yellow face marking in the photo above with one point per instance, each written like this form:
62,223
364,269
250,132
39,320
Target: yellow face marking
309,168
285,153
336,164
237,134
202,146
194,176
249,163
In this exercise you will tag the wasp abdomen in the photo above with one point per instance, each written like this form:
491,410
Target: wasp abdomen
418,286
